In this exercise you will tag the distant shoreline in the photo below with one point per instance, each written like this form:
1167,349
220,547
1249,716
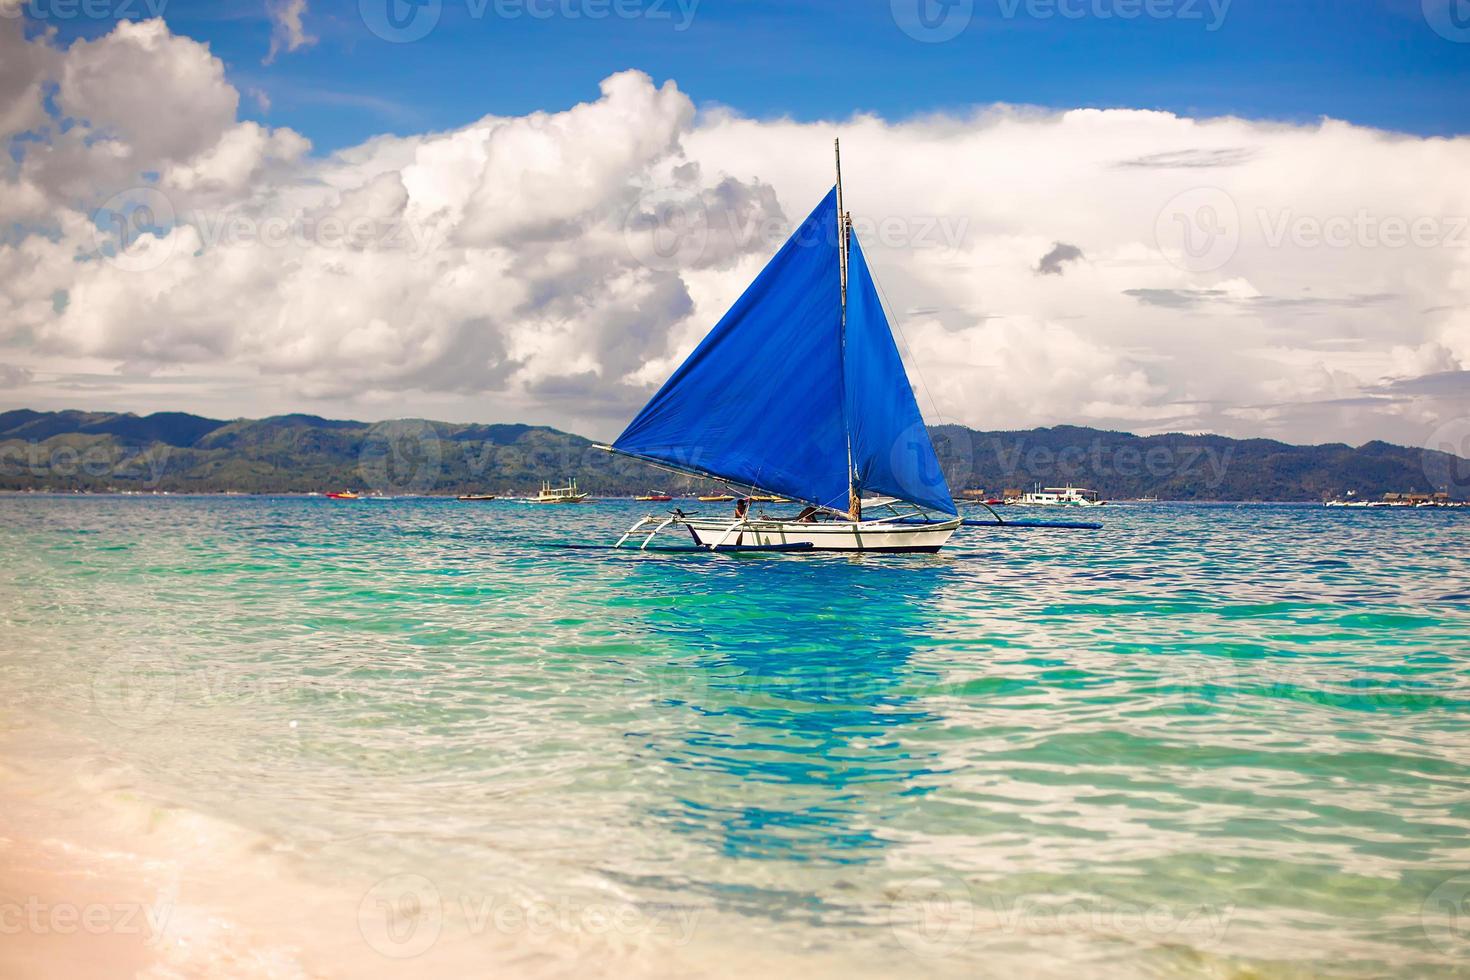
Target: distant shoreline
527,497
102,452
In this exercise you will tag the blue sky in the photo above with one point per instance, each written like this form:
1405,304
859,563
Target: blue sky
1256,274
1375,62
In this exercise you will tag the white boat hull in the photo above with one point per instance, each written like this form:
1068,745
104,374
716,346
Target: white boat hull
823,536
1065,503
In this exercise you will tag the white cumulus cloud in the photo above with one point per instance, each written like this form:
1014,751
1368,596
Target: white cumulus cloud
288,33
1295,281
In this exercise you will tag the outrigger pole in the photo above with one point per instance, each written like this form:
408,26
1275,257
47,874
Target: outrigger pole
844,229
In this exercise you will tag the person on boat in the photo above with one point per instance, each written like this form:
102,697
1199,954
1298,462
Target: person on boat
808,516
742,507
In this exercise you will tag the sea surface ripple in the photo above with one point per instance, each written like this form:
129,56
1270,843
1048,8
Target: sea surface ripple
1206,738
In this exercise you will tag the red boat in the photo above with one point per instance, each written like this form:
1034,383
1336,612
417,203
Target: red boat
343,495
655,497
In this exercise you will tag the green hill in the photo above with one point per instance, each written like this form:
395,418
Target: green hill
102,451
1190,467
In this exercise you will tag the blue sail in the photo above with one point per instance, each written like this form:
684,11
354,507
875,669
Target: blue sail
891,450
759,402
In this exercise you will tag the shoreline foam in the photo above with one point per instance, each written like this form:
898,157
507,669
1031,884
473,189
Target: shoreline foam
100,877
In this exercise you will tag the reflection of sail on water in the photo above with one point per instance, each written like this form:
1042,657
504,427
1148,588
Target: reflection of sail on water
787,737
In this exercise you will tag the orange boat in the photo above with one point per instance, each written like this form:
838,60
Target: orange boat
343,495
655,497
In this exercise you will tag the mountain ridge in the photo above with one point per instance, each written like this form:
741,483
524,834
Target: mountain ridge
293,453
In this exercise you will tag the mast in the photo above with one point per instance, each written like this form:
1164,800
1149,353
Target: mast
841,227
844,229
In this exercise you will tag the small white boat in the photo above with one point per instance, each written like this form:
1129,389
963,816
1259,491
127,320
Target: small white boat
1068,496
568,494
1351,500
799,393
1358,503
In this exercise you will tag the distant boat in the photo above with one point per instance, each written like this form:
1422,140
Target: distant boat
717,498
568,494
1068,496
477,497
343,495
799,392
768,499
1413,501
656,497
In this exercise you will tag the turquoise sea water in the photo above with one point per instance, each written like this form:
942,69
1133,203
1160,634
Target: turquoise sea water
1205,739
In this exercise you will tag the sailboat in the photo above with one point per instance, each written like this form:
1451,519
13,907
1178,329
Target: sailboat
799,392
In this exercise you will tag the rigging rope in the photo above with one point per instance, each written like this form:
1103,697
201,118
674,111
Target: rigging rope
904,341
